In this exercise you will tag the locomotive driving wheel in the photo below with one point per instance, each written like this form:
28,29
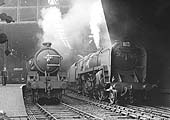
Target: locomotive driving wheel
100,94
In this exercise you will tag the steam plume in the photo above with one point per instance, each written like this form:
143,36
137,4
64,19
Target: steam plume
52,26
96,19
67,32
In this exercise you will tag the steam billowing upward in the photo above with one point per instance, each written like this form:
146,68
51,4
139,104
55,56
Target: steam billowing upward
72,30
53,30
84,15
96,19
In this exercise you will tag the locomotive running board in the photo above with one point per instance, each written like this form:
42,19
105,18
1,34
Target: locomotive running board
48,55
92,69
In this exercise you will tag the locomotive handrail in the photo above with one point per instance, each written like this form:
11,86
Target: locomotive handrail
53,55
53,65
125,91
59,56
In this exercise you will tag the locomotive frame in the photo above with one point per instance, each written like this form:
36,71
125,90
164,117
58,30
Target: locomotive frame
114,74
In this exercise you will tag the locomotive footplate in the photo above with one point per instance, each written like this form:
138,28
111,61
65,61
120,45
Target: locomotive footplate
91,70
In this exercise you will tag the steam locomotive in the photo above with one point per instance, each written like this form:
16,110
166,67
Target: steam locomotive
115,74
42,77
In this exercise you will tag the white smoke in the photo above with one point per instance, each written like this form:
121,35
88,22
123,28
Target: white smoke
52,26
53,2
77,20
69,30
83,14
96,19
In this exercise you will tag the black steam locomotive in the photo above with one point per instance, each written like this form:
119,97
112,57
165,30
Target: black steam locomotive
116,74
42,76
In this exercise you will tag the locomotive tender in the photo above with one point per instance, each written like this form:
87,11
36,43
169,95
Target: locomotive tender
42,76
115,74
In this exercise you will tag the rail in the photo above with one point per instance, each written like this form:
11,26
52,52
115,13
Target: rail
87,115
48,114
133,113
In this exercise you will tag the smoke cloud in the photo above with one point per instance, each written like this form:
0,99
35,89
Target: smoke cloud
85,16
53,30
96,19
68,32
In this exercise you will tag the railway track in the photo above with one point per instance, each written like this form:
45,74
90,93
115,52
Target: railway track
102,113
164,108
34,113
129,111
78,107
54,112
156,111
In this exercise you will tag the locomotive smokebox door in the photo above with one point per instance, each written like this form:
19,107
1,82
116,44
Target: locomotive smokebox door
47,59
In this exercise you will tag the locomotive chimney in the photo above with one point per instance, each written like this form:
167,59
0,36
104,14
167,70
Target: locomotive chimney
47,44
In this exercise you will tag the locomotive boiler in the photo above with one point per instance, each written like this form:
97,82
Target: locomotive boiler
115,74
42,77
